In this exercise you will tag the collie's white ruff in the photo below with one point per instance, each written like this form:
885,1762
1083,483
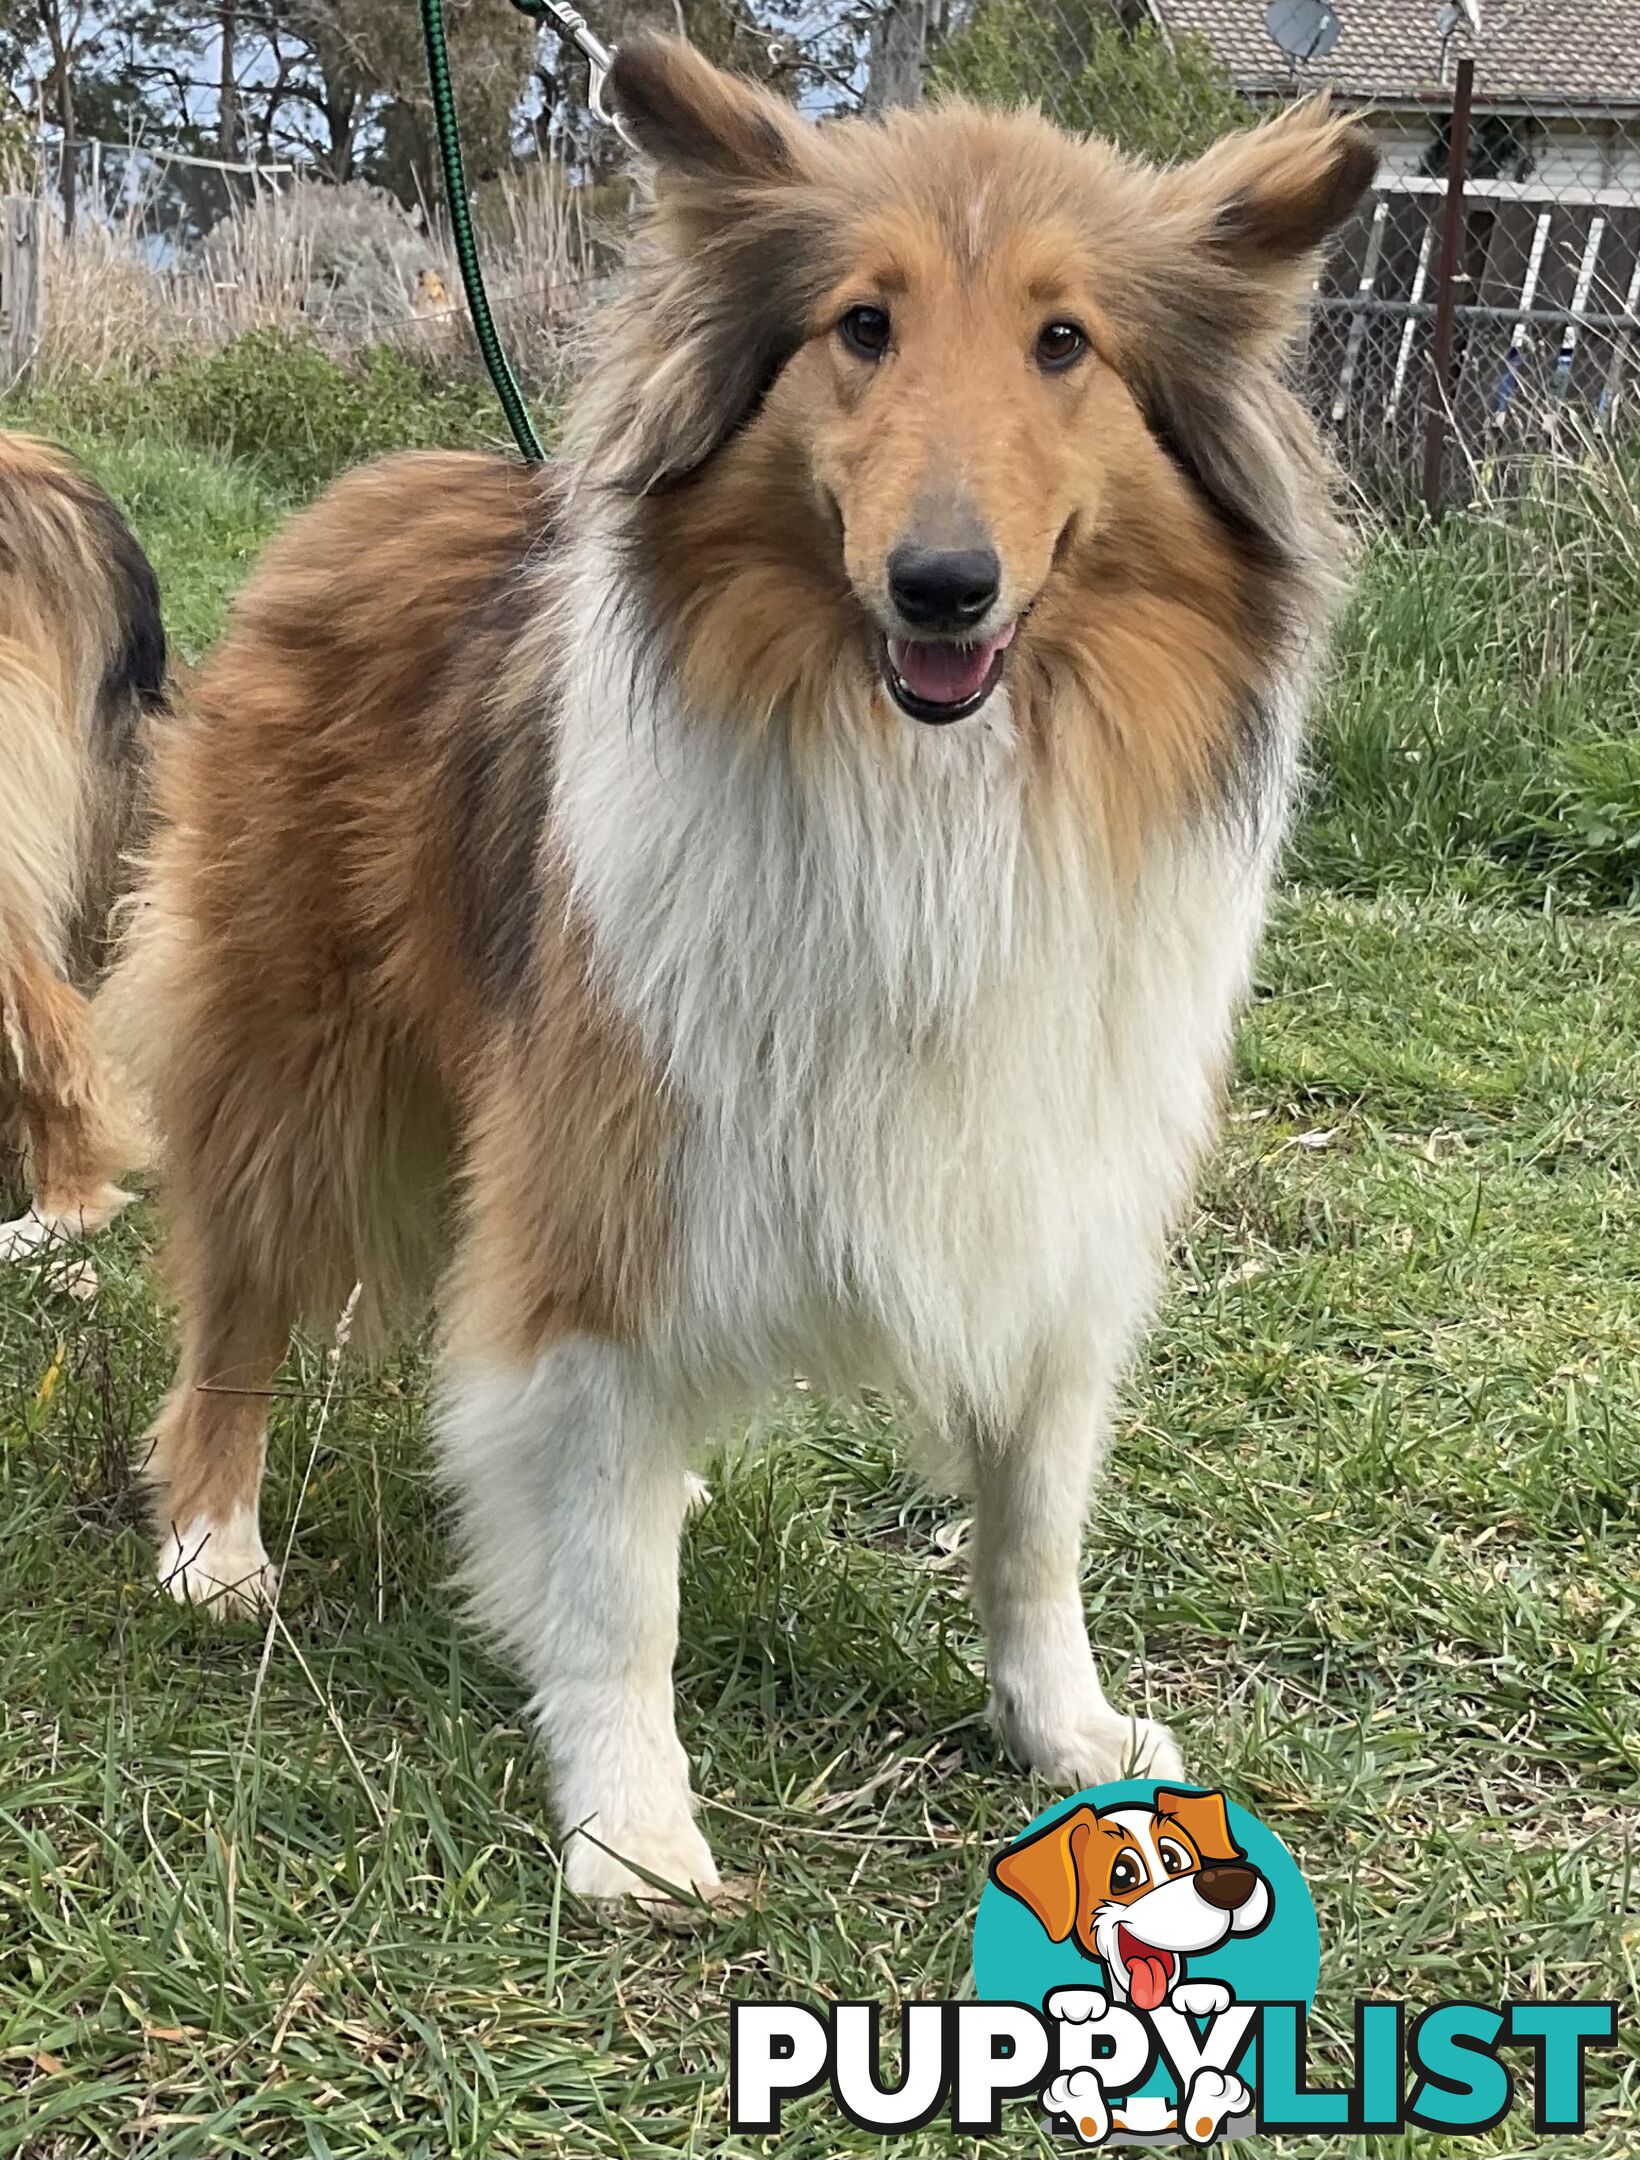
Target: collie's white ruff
944,1080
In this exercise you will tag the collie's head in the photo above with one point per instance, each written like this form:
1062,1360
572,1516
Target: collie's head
955,414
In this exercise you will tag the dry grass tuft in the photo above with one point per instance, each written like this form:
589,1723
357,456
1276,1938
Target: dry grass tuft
347,265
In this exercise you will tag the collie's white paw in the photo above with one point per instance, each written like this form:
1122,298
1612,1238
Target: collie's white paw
1095,1748
28,1233
35,1231
675,1853
73,1278
221,1566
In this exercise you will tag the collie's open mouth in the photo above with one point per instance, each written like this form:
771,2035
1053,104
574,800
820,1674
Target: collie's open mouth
1149,1970
938,679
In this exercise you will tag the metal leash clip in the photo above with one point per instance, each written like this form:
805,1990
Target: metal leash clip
570,23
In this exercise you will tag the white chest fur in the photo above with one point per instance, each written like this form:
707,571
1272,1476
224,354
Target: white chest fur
944,1079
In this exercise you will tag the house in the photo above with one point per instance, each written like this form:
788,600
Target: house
1557,82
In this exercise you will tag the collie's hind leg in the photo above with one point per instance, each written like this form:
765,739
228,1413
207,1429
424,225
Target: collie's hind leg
571,1484
1032,1485
76,1142
204,1468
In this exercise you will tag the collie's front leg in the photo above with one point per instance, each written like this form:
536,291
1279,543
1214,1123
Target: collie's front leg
1031,1495
572,1488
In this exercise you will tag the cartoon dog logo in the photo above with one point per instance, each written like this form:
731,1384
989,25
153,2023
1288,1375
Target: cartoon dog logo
1140,1888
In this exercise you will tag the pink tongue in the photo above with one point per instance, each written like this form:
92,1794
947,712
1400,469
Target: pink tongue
1147,1982
943,672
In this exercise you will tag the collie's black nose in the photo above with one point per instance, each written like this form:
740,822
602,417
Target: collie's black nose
944,588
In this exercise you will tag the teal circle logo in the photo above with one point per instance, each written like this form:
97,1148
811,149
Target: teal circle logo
1125,1910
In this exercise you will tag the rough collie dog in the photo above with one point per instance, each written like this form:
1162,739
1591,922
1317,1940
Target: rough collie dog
769,895
82,665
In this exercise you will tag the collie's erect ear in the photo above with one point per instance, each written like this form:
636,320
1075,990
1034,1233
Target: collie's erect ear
1236,236
1204,1819
1244,222
1269,197
694,120
729,265
1042,1872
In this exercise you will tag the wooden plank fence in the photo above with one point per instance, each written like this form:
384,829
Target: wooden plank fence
22,302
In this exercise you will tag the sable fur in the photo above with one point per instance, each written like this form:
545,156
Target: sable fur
549,893
82,671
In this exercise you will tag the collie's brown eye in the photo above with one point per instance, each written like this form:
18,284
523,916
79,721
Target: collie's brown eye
1060,345
865,330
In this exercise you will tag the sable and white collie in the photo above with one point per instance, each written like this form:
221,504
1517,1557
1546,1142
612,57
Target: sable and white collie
768,894
82,668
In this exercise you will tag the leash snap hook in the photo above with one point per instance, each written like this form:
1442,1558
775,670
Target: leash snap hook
571,24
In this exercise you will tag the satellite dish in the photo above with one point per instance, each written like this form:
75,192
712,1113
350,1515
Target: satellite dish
1304,29
1459,11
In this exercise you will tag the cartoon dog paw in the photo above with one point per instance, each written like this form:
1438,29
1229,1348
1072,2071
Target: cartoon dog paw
1079,2096
1077,2006
1214,2097
1201,1998
1145,2115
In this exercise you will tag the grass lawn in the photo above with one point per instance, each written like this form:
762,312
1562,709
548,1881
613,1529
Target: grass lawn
1369,1541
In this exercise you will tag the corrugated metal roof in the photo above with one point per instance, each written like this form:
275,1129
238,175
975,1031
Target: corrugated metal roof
1545,52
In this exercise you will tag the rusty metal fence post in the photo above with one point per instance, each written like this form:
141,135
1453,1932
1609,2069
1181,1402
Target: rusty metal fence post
1446,298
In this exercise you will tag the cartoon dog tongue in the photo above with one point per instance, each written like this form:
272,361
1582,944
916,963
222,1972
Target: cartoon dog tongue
1148,1974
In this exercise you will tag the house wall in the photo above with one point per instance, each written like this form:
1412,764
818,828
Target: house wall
1566,152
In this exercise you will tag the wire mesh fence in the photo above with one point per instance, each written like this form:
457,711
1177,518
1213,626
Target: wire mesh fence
180,197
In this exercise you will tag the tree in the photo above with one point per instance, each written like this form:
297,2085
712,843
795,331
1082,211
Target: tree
493,57
229,138
309,82
904,35
1098,73
339,87
57,36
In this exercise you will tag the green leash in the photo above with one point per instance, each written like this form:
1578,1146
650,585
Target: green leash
571,26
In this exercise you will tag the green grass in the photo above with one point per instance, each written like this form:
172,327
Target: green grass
1369,1541
277,402
203,519
1482,730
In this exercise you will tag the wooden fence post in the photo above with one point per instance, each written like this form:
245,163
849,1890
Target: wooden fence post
1440,367
22,306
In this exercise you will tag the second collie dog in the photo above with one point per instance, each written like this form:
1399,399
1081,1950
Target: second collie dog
82,674
769,894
